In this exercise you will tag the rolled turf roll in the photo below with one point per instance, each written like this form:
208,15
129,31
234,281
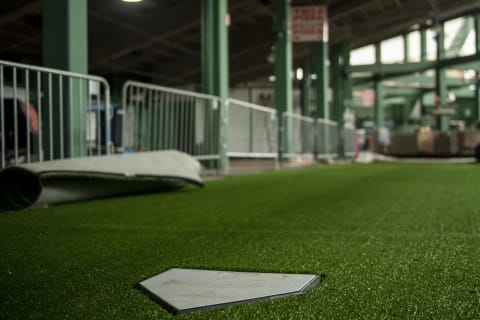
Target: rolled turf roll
60,181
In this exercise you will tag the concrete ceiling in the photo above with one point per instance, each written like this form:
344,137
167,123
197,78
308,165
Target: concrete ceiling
160,40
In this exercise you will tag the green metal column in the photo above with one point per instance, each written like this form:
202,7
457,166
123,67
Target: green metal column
283,67
305,86
339,66
379,114
406,48
215,66
320,54
65,46
476,108
379,110
423,45
441,78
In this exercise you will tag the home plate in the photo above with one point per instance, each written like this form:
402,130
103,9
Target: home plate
187,290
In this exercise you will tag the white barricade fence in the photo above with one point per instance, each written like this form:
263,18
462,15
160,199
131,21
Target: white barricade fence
326,139
161,118
48,114
251,130
349,140
297,135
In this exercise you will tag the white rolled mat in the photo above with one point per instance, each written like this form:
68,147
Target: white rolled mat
60,181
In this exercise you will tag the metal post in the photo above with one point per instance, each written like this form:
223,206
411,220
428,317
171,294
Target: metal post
283,68
65,47
341,88
406,48
476,108
215,66
423,45
441,78
321,84
379,111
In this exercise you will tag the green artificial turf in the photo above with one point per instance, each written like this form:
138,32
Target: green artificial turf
394,241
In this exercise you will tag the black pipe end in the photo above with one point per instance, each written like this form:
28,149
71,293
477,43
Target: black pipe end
19,188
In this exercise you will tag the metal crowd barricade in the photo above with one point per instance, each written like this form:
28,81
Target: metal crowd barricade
160,118
48,114
349,140
326,139
297,135
251,130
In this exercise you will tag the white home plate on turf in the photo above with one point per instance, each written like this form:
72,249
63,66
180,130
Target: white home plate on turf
187,290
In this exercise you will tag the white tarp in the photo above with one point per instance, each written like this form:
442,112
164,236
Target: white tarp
60,181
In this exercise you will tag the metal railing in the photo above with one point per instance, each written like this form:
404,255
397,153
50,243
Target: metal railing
326,139
297,135
48,114
160,118
349,140
251,130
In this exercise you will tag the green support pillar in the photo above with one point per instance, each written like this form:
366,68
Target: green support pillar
340,86
379,110
215,67
476,108
305,86
441,79
320,54
406,48
283,68
423,45
65,46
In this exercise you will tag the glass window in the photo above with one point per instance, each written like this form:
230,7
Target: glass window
363,55
431,44
414,51
459,37
393,50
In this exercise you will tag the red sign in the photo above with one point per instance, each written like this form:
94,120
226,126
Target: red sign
310,23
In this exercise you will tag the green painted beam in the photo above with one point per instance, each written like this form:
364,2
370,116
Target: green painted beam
423,45
397,69
441,78
305,87
215,68
476,107
283,66
65,47
65,44
406,48
320,57
340,84
460,38
379,110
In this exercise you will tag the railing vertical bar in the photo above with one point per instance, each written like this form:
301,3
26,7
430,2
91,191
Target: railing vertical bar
15,115
83,115
191,126
90,133
60,98
181,123
27,107
2,118
151,126
155,120
99,121
50,116
40,113
71,110
163,118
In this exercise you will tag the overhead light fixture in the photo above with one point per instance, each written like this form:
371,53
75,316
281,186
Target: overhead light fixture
132,0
